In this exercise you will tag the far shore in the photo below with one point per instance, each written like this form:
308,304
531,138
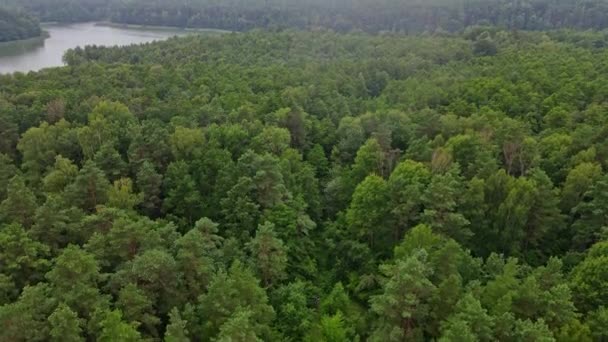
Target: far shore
160,28
33,40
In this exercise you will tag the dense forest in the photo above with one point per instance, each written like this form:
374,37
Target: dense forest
17,25
309,186
339,15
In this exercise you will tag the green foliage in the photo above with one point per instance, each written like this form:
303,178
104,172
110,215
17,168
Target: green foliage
66,326
19,205
268,255
17,25
367,214
403,305
89,189
311,185
113,328
235,297
331,329
589,279
23,259
176,329
63,173
121,195
294,317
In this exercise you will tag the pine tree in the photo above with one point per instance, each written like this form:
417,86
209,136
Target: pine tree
230,293
176,329
22,258
198,252
19,205
74,279
89,189
403,304
239,328
138,308
110,162
470,313
269,255
7,171
65,325
440,201
149,183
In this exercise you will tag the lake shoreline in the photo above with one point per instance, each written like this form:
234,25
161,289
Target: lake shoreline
159,28
41,52
33,40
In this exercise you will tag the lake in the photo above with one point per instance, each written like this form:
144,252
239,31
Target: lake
35,54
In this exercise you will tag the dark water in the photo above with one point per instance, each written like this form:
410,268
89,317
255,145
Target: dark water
36,54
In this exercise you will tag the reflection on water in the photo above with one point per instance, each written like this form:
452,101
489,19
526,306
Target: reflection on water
21,47
36,54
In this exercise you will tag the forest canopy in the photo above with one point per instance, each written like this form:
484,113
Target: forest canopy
17,25
309,186
340,15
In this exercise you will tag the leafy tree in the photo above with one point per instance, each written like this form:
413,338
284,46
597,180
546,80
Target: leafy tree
589,279
406,186
63,173
370,159
367,214
473,156
272,139
579,180
291,302
186,143
38,148
113,328
121,195
118,119
66,326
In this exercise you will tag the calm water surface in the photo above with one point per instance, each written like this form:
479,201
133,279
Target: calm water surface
33,55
